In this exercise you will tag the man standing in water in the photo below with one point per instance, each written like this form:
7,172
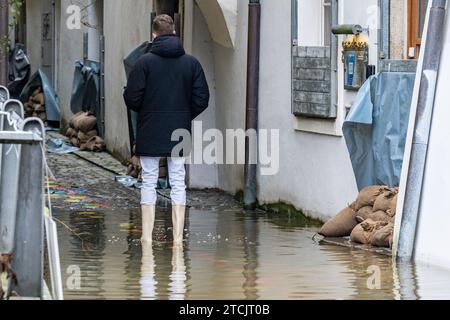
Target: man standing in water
168,89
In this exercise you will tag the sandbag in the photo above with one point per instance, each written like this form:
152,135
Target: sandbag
368,196
384,237
39,98
383,201
95,144
359,235
392,211
363,233
74,122
75,142
364,213
36,91
71,133
92,133
87,123
341,225
83,137
380,216
39,108
136,162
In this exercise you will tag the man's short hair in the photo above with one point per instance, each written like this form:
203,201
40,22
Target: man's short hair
163,25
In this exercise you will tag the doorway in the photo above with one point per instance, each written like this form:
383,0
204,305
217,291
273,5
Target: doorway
173,8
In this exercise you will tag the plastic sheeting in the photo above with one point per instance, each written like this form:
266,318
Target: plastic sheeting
86,90
59,146
51,99
376,127
19,70
129,63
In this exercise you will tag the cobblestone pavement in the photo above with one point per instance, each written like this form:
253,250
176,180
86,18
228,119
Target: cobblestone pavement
95,173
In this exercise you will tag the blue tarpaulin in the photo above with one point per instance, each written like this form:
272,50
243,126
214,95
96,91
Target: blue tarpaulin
376,127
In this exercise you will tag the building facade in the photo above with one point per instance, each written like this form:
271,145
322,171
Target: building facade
315,173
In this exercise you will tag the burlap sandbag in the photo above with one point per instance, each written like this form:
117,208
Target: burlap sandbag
358,235
74,121
75,142
364,213
383,237
363,233
39,108
87,123
380,216
341,225
71,133
82,137
367,196
39,99
36,91
95,144
92,133
383,201
392,211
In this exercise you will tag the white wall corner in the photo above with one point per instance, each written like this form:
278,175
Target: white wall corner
221,17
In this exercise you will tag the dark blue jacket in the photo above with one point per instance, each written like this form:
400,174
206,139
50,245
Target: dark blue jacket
168,89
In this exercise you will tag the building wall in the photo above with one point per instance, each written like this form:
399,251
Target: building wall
315,169
70,50
202,175
69,47
125,27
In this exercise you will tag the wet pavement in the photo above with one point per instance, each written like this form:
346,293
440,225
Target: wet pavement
228,254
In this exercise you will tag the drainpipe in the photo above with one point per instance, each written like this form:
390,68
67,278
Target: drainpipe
427,91
4,34
254,33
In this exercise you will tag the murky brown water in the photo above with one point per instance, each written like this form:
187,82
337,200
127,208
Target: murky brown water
228,255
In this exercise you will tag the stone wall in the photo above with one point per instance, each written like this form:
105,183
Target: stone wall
312,82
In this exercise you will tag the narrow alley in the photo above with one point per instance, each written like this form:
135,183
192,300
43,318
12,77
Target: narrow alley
228,254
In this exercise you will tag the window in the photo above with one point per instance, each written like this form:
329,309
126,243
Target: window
417,14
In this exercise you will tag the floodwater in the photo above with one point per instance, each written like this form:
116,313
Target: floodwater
228,255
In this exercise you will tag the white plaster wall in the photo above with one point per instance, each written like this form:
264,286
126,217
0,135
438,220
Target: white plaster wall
433,237
204,176
70,50
126,26
315,170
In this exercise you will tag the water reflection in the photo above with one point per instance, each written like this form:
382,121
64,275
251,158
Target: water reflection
228,255
177,286
148,278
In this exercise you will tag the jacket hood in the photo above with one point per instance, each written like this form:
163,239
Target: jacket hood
168,46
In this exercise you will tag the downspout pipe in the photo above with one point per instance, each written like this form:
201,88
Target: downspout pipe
422,128
251,147
4,34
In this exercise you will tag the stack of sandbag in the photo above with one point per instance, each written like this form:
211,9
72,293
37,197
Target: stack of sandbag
135,167
368,220
83,134
35,106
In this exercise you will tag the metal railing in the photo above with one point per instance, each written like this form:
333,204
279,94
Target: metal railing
22,202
